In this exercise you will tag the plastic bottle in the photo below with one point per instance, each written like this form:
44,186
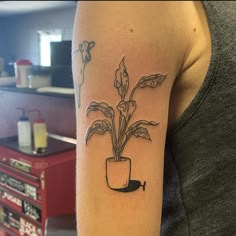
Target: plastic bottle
40,133
24,130
22,70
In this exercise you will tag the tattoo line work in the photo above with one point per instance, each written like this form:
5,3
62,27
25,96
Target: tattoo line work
84,49
119,137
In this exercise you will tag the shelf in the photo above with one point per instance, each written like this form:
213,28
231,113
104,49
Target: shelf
34,91
21,214
8,230
13,232
21,195
31,180
20,173
11,205
36,203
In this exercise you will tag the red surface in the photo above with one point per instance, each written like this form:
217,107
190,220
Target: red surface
58,190
58,195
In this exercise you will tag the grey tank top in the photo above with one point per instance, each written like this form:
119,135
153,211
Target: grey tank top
199,191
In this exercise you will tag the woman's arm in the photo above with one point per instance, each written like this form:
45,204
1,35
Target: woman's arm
126,56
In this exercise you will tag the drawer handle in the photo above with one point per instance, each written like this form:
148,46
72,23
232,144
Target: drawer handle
42,180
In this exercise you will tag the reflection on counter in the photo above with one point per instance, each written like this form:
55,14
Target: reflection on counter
54,146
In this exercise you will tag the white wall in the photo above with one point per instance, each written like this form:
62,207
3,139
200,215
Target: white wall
20,32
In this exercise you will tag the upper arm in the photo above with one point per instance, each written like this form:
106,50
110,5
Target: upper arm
124,64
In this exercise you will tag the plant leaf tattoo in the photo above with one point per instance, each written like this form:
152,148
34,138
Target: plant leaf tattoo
85,55
121,135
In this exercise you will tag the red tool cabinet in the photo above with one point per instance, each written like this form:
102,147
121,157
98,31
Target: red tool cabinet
34,187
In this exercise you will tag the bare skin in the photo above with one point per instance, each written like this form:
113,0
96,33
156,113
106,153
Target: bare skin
194,68
167,38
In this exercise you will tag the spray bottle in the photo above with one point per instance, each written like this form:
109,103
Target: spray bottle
24,130
40,133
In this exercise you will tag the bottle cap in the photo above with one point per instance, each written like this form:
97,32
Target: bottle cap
23,62
39,119
23,117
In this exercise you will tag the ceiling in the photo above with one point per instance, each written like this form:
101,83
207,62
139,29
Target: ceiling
20,7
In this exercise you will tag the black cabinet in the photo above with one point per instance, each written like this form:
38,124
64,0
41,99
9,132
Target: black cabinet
61,67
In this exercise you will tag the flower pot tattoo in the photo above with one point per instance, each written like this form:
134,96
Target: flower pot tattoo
122,131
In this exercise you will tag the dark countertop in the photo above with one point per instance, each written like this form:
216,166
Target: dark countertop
54,146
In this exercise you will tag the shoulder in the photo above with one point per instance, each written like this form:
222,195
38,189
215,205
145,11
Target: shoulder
161,29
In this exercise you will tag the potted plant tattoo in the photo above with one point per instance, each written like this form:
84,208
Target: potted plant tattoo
118,167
